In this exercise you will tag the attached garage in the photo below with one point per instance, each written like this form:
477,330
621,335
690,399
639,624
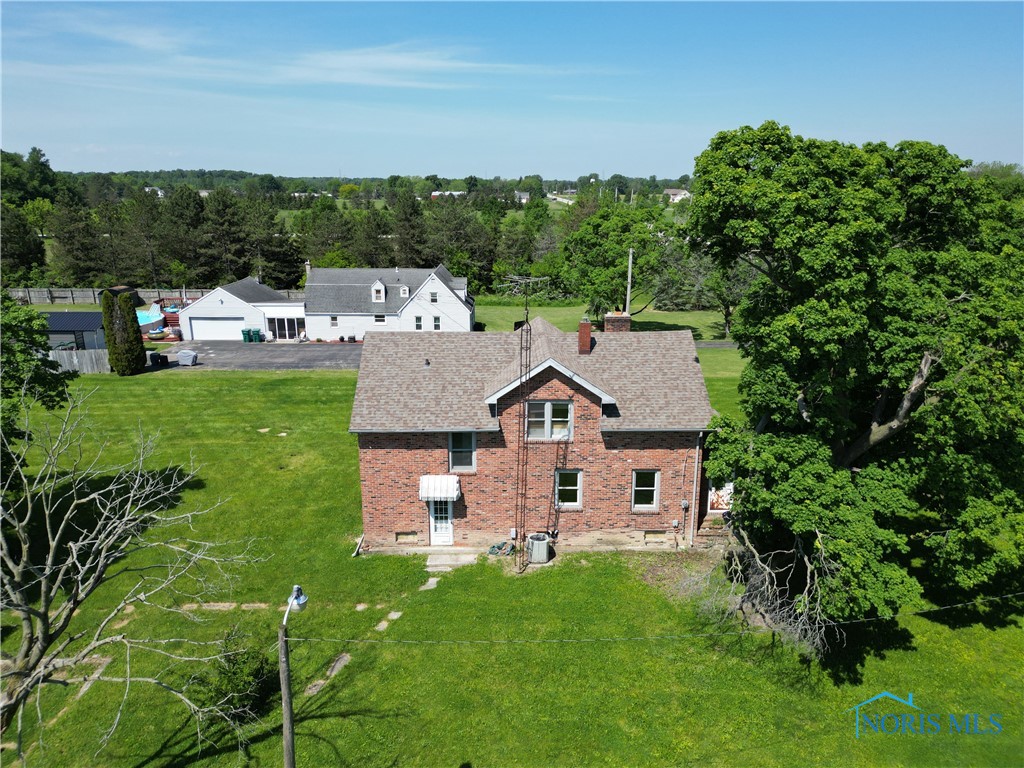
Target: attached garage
217,328
225,312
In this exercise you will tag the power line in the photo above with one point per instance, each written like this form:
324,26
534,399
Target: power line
629,639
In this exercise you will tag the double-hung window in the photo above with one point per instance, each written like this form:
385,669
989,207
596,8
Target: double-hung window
334,321
462,451
437,323
548,419
419,323
379,319
568,488
433,297
646,486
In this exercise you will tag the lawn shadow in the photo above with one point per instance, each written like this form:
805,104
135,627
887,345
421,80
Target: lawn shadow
844,661
180,749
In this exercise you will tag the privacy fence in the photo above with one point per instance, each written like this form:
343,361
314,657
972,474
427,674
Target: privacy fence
92,295
82,360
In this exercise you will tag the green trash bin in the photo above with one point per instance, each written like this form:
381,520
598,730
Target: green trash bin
256,335
245,335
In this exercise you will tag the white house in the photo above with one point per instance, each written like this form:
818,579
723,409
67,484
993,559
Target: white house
226,311
343,303
676,195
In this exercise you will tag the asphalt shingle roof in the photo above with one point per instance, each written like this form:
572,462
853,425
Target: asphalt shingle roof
347,291
654,378
66,322
251,291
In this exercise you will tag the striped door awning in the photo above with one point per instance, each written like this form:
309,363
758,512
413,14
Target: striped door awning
439,488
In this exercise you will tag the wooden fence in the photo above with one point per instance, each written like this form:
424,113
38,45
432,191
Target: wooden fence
92,295
82,360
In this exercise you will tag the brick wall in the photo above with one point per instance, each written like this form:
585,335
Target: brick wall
390,467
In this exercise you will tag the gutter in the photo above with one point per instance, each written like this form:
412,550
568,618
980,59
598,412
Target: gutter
694,508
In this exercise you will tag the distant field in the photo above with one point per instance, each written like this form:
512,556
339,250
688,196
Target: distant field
706,326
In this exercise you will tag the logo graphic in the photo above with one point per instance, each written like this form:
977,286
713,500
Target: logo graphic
886,713
883,695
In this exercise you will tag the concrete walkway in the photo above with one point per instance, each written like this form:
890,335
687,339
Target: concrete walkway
275,356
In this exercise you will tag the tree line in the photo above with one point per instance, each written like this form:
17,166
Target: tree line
97,230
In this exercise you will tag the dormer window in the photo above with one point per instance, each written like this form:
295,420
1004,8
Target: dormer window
404,291
378,292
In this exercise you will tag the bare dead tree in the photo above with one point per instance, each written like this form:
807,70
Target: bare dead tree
72,524
783,589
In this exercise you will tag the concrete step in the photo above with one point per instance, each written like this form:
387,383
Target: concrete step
449,560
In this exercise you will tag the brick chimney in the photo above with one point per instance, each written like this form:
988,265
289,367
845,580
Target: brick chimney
584,336
617,322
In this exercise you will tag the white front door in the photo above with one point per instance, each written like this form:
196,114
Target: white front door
441,532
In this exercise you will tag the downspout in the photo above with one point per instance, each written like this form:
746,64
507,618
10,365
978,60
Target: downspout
694,509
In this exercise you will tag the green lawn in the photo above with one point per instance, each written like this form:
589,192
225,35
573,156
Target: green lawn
455,691
500,313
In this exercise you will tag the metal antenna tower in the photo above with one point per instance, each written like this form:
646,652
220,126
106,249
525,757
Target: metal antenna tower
522,284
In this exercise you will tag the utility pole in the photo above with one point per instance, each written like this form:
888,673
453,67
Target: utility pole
629,280
298,602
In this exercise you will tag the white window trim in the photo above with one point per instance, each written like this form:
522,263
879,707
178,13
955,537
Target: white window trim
657,491
579,488
404,291
419,322
380,319
433,297
334,321
451,466
547,420
378,292
437,322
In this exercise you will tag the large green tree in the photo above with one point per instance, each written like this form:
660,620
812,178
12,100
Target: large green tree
884,386
27,375
596,254
21,247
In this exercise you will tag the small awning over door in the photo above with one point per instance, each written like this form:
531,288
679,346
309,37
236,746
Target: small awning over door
439,488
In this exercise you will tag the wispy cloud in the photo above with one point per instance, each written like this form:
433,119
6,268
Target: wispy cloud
400,65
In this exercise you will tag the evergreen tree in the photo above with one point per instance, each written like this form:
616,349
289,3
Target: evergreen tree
124,337
135,350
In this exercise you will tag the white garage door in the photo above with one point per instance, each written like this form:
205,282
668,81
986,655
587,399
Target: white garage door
217,328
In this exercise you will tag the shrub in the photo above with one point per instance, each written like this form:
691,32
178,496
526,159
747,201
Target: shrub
242,681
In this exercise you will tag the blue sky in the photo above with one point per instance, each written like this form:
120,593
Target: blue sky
496,89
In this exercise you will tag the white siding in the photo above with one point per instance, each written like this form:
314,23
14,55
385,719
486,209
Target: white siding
453,313
319,326
219,304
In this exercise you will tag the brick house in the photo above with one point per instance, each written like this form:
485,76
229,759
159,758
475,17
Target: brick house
613,437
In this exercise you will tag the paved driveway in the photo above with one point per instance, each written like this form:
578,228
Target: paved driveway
276,356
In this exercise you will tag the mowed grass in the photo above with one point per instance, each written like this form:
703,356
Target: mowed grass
599,659
501,313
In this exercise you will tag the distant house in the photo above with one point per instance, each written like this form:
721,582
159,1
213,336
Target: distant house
351,302
522,197
606,428
226,311
450,193
75,330
675,195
